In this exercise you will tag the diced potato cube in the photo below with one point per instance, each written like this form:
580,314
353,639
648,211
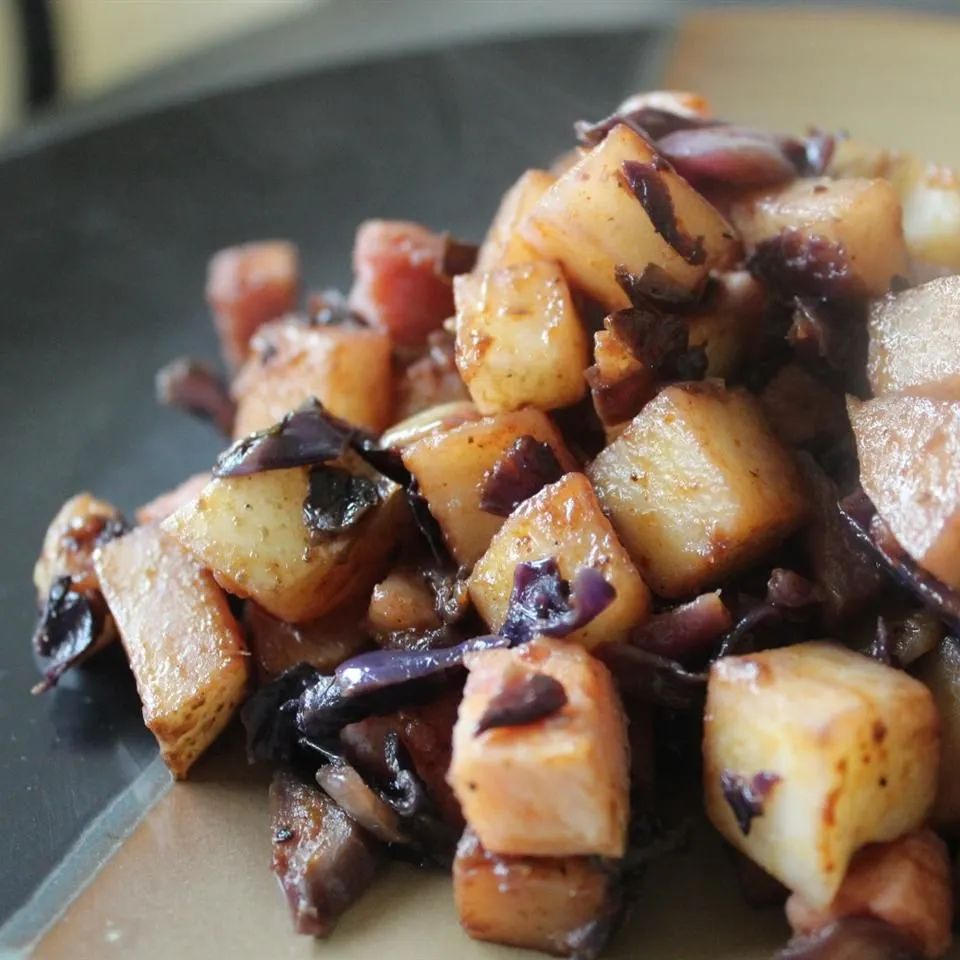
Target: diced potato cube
399,284
70,542
940,671
251,534
503,245
729,322
930,194
915,341
803,410
160,507
539,903
402,601
861,216
824,750
563,521
248,286
450,467
432,379
348,369
184,646
906,883
519,339
437,419
324,643
697,486
591,222
909,450
555,787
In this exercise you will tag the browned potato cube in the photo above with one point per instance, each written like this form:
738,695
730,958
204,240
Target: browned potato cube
863,217
591,222
250,532
538,903
697,486
184,646
437,419
909,450
503,245
348,369
248,286
728,323
450,467
402,601
432,379
811,751
940,671
519,339
323,643
554,787
563,521
915,341
906,883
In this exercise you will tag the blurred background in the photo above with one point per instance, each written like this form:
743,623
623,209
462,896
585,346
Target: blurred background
112,56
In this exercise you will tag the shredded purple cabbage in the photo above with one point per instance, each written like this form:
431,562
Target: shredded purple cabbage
336,501
687,630
646,183
650,122
527,699
654,289
68,628
458,257
651,678
796,264
853,938
525,468
542,602
747,797
196,388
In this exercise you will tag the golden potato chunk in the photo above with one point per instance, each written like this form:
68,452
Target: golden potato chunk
592,222
909,450
538,903
349,369
450,468
940,671
915,341
697,486
519,339
184,646
250,532
863,217
503,245
436,419
554,787
563,521
810,752
906,883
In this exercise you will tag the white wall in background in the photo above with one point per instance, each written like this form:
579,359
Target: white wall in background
104,42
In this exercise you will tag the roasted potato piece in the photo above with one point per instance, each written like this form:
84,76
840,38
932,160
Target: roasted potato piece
184,646
915,341
940,671
399,284
906,883
555,787
250,532
519,339
503,245
323,643
539,903
728,322
909,450
810,752
160,507
450,467
349,369
431,380
402,601
697,486
247,286
438,419
862,217
323,860
70,542
591,222
803,411
563,521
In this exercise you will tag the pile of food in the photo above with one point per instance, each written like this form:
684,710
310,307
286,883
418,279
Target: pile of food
659,486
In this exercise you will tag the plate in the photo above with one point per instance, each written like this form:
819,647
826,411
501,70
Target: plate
102,256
